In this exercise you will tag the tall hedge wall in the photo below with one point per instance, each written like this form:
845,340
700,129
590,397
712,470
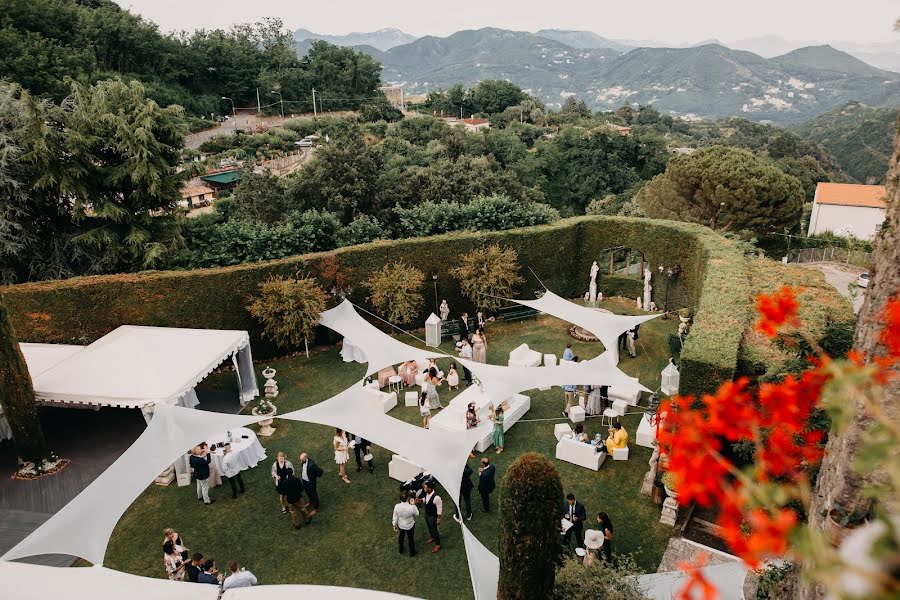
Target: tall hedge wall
714,282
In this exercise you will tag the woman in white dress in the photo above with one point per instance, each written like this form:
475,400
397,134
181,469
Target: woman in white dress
594,402
452,377
479,346
341,455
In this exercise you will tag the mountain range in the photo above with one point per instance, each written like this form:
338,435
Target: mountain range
708,80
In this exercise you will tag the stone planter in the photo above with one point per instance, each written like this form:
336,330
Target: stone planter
265,426
835,532
670,492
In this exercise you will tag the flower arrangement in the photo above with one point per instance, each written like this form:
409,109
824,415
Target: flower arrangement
762,505
264,406
49,466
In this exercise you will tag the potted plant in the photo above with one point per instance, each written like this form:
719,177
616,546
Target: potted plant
841,520
685,314
265,408
668,481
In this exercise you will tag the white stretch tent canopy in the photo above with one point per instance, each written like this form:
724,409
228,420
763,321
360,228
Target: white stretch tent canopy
380,349
606,326
308,592
137,367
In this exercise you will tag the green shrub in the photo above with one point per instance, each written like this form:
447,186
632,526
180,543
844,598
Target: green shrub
288,309
487,275
601,580
530,549
396,292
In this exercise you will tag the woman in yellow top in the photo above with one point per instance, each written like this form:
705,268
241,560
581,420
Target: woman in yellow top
618,437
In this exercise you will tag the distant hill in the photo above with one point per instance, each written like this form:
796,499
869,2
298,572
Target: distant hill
582,40
858,136
383,39
814,59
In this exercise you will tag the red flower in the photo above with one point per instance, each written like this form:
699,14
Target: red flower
697,586
776,310
890,335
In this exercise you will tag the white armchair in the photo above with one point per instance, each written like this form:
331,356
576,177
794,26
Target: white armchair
384,400
523,356
579,453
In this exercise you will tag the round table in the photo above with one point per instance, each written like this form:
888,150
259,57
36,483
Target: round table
246,452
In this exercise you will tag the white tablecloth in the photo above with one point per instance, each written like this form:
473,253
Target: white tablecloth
351,353
245,452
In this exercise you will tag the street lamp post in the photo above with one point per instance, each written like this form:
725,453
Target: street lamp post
233,111
434,280
281,100
670,274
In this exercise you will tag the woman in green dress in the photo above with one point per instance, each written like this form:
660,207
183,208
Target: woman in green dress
498,429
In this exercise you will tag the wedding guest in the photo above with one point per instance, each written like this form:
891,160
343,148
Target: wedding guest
173,562
604,524
309,473
486,483
464,326
239,578
574,512
465,352
341,455
622,340
424,409
233,472
629,339
362,448
594,405
479,346
471,422
434,508
618,437
293,495
279,472
208,573
593,542
480,319
215,478
568,354
434,399
452,377
174,537
465,490
497,418
580,435
569,391
192,569
408,373
404,522
432,364
200,460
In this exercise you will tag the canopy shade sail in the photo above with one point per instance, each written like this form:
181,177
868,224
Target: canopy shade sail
136,367
308,592
380,349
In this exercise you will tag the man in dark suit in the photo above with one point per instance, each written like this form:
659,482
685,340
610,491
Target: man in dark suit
360,449
309,472
466,493
486,483
464,326
208,573
293,493
574,512
199,461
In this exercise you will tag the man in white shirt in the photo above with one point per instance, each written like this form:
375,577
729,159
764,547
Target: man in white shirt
465,351
434,507
404,522
239,577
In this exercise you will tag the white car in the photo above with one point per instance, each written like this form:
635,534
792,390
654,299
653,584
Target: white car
863,279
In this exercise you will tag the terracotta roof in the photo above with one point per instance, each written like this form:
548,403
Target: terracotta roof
190,192
851,194
476,121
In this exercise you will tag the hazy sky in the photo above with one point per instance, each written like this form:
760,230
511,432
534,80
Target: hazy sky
672,21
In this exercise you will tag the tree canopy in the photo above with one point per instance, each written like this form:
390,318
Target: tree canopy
727,189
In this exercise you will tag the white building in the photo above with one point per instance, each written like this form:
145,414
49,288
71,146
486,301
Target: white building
848,209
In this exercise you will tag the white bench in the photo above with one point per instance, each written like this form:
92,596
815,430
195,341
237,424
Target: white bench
401,469
579,453
523,356
384,400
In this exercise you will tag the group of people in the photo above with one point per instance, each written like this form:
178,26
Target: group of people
205,473
182,566
291,485
617,437
627,340
591,541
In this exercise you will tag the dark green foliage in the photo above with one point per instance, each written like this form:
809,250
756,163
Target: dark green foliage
772,579
17,396
379,109
530,510
601,580
838,338
485,213
714,282
260,198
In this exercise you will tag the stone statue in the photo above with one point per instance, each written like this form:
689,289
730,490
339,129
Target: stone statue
593,288
640,304
682,329
647,287
444,310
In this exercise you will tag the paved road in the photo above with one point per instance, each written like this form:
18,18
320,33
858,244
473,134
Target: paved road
841,276
192,141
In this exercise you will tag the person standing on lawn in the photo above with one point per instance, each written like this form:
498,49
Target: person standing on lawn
573,511
465,492
486,483
200,460
434,508
279,472
293,495
309,473
404,522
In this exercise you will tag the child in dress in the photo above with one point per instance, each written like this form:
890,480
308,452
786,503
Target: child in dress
424,409
453,377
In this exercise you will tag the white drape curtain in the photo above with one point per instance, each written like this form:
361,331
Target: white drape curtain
246,374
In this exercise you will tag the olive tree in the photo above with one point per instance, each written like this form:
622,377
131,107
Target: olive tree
488,275
289,309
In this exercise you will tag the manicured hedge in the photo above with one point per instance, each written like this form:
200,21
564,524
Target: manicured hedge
714,283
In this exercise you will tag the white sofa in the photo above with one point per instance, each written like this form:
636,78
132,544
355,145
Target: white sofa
384,400
401,469
579,453
523,356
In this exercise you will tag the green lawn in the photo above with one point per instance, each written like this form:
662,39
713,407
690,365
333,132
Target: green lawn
351,542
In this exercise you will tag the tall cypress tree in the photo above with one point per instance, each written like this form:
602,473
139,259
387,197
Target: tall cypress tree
530,511
17,396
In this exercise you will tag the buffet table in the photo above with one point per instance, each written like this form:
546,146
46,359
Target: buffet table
246,453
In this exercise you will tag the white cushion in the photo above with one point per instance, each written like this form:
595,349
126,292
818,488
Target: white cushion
384,400
620,406
550,360
411,399
576,414
579,453
401,469
523,356
620,454
561,430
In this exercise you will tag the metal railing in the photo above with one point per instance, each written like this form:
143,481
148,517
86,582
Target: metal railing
831,254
